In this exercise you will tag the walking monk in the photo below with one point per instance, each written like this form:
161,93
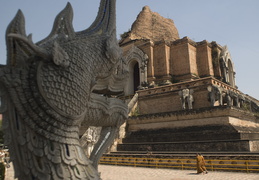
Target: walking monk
201,164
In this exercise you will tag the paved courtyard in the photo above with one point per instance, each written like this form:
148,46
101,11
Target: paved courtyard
137,173
131,173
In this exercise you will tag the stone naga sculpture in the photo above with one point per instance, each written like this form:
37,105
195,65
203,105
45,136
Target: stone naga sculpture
51,91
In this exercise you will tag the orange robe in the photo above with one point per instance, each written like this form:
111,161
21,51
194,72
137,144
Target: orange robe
201,164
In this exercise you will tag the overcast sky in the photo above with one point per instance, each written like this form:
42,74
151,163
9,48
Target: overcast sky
234,23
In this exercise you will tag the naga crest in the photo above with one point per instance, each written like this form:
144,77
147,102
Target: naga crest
53,90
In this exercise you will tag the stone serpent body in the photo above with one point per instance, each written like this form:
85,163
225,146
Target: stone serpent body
53,90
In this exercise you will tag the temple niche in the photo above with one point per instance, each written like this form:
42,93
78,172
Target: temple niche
136,63
186,91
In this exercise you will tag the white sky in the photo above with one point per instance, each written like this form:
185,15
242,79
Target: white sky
234,23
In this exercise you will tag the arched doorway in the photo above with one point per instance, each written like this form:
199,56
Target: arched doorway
136,64
136,77
227,67
231,74
223,69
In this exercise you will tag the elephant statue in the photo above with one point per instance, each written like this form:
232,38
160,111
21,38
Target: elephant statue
233,98
215,94
186,98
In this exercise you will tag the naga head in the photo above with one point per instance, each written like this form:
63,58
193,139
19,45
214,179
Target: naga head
51,49
93,51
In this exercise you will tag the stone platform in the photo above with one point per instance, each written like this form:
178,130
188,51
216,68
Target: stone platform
195,146
214,129
186,154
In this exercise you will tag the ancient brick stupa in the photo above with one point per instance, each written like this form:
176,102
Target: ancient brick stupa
187,96
150,25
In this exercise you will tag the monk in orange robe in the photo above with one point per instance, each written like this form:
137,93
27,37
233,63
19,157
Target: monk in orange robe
201,164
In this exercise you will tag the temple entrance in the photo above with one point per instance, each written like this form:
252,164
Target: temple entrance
134,77
136,80
136,62
231,74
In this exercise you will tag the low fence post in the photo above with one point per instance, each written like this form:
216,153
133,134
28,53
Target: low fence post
211,166
247,167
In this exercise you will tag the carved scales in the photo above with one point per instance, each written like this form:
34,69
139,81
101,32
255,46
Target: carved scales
52,89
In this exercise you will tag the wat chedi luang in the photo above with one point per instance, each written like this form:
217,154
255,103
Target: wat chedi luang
188,99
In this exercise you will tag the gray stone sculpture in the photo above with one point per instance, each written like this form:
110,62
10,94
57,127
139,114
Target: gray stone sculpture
186,98
234,99
51,89
215,94
241,98
89,139
228,99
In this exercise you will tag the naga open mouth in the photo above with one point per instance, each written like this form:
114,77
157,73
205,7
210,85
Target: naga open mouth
105,101
108,89
108,93
111,85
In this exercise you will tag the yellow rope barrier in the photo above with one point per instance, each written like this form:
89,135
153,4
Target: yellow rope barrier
211,164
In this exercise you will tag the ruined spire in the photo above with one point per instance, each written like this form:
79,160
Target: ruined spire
151,25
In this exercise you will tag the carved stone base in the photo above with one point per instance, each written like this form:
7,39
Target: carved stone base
194,146
210,129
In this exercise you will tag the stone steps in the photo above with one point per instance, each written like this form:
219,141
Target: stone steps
194,133
186,153
195,146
